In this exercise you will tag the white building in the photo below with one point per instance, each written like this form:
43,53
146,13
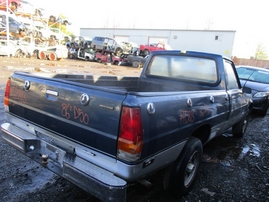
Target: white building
213,41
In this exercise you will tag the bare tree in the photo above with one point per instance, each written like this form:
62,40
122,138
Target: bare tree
260,53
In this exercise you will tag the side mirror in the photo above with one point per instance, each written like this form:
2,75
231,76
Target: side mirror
246,90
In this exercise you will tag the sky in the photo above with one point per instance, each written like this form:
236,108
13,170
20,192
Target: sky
247,17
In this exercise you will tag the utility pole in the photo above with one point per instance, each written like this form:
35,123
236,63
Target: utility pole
7,27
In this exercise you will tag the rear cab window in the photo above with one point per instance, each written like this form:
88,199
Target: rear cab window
184,68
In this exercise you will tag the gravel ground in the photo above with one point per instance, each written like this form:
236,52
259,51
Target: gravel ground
232,169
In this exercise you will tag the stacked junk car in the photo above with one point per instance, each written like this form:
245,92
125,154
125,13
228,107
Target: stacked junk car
102,49
30,31
27,31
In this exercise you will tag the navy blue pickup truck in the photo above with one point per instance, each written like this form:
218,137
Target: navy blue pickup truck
104,132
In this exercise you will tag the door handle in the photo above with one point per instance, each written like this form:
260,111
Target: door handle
53,93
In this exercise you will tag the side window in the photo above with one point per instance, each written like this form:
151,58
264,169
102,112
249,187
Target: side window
12,21
230,75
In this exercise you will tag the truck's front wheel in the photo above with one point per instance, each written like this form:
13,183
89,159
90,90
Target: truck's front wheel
180,176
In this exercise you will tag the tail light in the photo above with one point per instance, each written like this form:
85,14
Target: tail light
130,140
7,93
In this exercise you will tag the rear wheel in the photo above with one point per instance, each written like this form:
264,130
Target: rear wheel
136,64
239,129
179,177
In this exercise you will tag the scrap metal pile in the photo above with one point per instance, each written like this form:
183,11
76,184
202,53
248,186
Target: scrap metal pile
31,30
27,30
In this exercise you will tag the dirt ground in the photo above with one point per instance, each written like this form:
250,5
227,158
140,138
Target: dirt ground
232,169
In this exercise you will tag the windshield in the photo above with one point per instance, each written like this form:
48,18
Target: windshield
253,75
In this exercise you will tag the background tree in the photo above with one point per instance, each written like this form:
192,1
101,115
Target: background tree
260,53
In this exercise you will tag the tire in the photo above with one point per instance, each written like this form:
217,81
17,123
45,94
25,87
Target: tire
239,129
42,55
39,34
136,64
146,52
36,53
263,112
71,56
180,176
118,52
52,18
18,54
52,56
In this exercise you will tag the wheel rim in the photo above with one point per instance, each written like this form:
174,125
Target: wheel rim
42,55
18,54
191,169
52,56
146,52
118,51
135,64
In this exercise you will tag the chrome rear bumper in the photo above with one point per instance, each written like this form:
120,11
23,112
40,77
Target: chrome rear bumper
93,179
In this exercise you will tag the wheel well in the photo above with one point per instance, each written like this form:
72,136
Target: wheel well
203,133
250,106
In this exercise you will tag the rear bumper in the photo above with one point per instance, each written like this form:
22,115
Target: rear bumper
95,180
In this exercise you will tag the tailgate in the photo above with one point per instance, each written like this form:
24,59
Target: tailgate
82,113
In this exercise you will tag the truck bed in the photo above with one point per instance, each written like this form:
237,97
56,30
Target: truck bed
126,84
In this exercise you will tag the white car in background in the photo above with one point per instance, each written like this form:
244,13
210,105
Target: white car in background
13,49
